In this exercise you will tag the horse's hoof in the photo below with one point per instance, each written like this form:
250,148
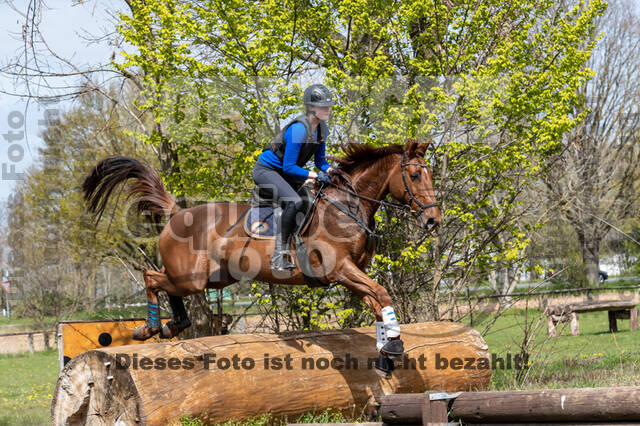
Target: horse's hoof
142,332
384,366
171,329
393,349
168,331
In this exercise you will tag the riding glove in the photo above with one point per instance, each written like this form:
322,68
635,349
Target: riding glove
323,177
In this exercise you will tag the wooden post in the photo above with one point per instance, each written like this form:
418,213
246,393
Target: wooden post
434,413
30,341
575,327
633,319
613,325
551,327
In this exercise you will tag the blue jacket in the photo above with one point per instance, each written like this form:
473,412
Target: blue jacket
294,139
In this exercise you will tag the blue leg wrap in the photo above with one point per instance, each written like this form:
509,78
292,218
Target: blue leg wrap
153,318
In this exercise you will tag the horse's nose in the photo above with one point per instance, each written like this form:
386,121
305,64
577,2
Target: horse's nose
431,223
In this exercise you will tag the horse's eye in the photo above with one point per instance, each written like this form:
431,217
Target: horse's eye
415,176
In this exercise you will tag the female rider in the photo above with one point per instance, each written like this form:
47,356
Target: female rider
280,171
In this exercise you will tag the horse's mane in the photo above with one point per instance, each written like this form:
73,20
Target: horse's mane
358,155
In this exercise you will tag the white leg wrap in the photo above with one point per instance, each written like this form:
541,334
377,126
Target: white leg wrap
381,335
390,322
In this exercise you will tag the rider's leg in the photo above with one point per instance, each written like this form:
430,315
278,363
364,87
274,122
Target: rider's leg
284,195
283,239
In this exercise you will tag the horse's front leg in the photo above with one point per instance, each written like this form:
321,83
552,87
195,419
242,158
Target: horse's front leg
388,340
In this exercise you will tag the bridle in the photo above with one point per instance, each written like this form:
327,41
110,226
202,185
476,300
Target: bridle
352,191
407,189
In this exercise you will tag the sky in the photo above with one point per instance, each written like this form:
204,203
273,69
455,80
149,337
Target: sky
63,24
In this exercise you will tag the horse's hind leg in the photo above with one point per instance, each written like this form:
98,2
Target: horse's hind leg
180,319
153,325
154,282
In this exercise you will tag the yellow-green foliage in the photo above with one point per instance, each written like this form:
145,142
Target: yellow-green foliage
495,83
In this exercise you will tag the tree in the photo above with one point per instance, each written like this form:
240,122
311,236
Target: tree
595,178
58,258
494,84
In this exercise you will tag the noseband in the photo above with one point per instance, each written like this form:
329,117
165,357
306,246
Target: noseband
407,189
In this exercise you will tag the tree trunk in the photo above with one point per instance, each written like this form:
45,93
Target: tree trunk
591,260
45,336
203,321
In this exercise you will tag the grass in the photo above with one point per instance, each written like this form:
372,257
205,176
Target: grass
26,387
595,358
327,416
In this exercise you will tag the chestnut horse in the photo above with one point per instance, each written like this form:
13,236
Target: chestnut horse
206,247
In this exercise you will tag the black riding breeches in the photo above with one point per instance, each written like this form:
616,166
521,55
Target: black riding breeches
274,182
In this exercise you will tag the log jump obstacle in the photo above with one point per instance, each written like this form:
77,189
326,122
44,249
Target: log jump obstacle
76,337
556,406
239,376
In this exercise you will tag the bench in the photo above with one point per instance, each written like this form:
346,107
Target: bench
617,309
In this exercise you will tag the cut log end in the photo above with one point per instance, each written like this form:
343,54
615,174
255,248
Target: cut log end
90,387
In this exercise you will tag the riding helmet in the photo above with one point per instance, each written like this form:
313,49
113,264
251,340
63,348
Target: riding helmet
318,95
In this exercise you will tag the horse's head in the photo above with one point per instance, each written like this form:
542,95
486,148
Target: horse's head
412,184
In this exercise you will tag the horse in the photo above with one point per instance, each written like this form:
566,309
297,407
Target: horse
203,246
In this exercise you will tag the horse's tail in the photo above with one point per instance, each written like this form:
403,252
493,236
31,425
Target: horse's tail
148,188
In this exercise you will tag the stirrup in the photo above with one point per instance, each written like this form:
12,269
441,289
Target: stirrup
280,261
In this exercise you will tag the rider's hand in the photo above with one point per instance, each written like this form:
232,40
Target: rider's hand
324,178
313,175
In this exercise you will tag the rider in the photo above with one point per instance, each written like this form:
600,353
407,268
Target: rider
279,168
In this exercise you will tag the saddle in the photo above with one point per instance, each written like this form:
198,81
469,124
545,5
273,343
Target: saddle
260,220
260,223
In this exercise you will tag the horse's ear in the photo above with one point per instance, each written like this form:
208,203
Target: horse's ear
421,150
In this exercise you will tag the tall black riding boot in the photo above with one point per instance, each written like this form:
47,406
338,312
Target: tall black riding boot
285,225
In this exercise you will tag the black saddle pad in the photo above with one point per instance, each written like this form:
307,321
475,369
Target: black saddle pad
260,220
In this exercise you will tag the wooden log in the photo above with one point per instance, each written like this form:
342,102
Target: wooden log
246,375
633,319
557,405
602,305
